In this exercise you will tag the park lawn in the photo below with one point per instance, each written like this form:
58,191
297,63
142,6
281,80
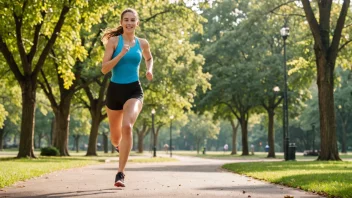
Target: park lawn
257,155
322,177
13,170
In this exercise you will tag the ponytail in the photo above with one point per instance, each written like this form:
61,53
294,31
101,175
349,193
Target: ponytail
108,33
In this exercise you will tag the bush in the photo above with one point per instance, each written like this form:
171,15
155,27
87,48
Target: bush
49,151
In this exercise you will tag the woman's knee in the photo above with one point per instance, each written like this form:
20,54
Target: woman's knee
127,129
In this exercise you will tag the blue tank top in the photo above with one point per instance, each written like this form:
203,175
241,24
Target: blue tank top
127,69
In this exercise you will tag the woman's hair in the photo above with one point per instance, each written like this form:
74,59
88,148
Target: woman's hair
110,32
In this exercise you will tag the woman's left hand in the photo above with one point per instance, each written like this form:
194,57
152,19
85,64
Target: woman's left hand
149,75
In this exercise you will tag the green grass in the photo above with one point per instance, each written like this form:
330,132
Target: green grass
13,170
258,155
14,152
327,178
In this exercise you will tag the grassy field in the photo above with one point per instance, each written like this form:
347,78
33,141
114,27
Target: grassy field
327,178
13,170
257,155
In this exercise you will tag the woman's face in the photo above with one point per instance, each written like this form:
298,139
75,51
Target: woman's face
129,22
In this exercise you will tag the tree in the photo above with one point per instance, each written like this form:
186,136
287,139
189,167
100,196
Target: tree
201,127
24,22
96,97
79,124
326,48
75,58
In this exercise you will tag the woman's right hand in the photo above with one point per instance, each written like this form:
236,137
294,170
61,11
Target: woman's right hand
125,49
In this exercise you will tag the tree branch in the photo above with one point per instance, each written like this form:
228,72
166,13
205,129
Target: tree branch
86,82
84,103
52,40
279,6
88,92
343,45
33,49
154,16
18,26
338,30
47,90
287,15
10,60
313,23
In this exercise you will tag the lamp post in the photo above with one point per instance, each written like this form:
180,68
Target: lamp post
285,32
153,131
171,117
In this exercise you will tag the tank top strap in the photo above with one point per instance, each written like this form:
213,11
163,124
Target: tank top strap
138,43
120,43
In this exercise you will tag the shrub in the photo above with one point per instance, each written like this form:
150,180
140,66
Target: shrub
49,151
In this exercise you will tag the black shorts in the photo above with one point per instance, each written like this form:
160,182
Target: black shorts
118,94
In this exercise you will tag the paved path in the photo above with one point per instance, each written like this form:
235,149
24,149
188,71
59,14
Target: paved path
190,177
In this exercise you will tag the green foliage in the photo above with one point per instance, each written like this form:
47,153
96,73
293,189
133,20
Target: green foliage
80,122
49,151
201,127
177,69
3,114
10,98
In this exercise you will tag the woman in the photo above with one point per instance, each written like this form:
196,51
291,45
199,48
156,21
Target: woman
124,99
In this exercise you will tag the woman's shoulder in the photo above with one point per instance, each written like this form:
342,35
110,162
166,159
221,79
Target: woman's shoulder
113,41
143,42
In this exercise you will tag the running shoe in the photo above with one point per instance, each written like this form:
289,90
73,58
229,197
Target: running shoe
120,180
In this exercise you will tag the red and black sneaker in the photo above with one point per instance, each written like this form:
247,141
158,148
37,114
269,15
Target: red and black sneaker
120,180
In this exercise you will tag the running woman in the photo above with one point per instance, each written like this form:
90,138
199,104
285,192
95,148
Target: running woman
124,99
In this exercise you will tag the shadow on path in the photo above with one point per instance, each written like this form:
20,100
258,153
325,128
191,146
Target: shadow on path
75,193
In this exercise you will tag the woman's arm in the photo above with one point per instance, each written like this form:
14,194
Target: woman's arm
148,59
109,63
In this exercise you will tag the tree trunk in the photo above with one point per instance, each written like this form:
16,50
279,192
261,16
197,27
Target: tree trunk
244,123
52,132
328,146
105,142
112,148
344,136
28,88
62,118
77,143
140,142
93,136
234,136
271,136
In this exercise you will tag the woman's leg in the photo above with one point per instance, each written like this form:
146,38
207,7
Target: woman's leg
115,123
131,110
